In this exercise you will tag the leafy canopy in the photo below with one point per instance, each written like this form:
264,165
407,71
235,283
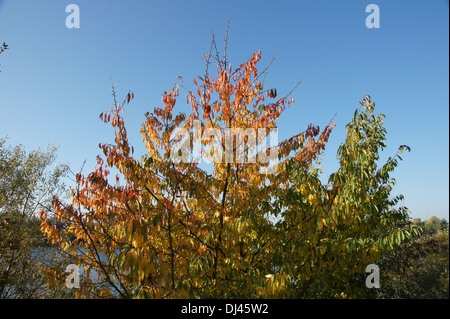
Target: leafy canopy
28,182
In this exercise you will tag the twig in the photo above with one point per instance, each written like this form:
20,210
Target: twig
226,45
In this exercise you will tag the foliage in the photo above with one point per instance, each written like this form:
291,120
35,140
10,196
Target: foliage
27,185
419,269
330,233
173,230
435,225
3,48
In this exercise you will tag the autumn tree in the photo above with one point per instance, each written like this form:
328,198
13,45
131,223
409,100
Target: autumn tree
174,230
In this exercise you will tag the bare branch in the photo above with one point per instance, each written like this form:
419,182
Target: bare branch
226,44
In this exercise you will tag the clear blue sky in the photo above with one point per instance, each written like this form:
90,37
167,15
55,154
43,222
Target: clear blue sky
55,81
